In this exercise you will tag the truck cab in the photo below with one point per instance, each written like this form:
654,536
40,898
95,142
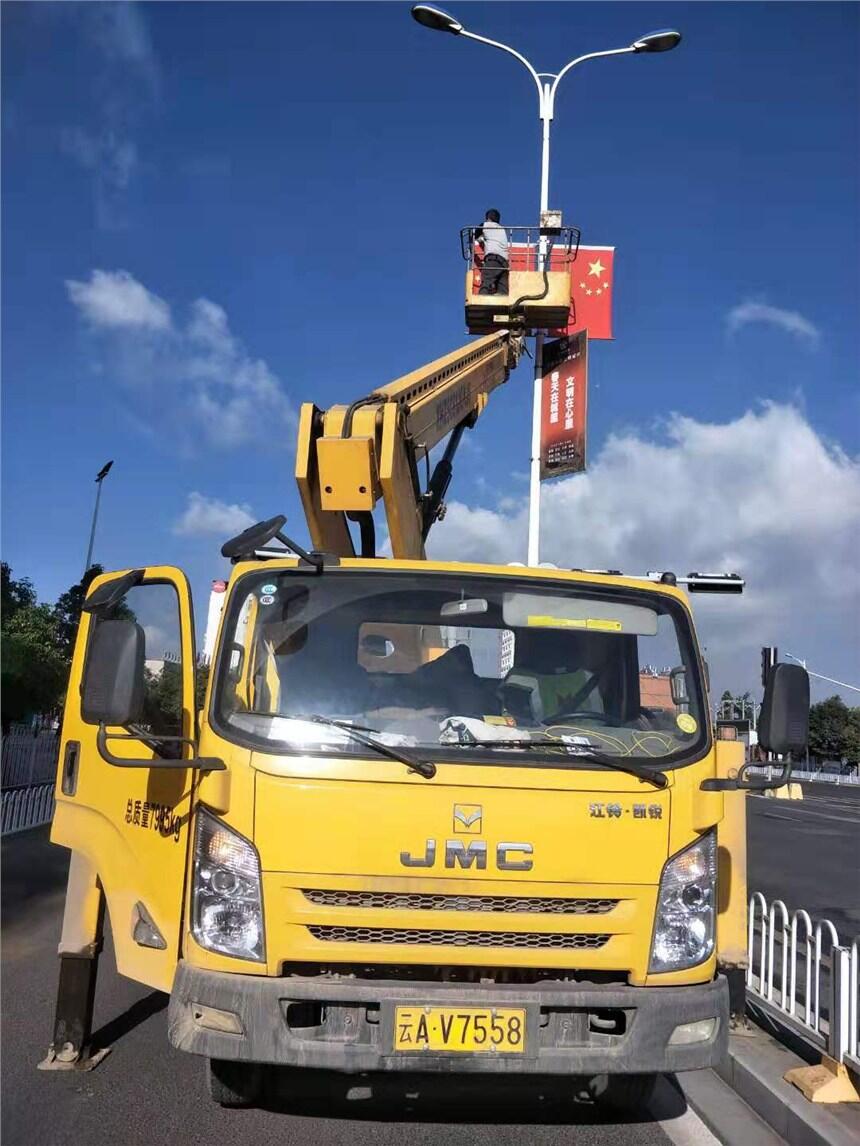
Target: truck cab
421,820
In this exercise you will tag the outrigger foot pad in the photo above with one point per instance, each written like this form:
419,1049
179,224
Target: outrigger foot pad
67,1058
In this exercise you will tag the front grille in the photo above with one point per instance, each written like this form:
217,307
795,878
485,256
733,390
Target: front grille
413,937
416,901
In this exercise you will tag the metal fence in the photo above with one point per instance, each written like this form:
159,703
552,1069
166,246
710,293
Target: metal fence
801,974
28,768
28,757
27,807
771,770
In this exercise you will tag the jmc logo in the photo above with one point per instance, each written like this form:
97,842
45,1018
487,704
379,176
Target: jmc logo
459,853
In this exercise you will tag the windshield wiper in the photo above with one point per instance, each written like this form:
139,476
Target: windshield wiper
658,779
364,735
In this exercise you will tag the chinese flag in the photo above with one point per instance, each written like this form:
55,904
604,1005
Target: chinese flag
592,286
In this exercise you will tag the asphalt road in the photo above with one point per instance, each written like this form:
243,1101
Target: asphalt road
807,853
146,1092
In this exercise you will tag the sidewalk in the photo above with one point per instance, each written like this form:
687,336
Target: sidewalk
754,1071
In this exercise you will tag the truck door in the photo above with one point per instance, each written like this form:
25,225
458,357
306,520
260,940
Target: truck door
131,823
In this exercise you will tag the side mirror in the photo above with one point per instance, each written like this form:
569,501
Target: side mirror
784,721
113,684
237,660
678,686
783,728
374,645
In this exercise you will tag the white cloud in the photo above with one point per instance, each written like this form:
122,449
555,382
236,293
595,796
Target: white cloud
791,321
238,398
156,642
113,158
123,37
124,81
115,299
763,495
205,516
198,369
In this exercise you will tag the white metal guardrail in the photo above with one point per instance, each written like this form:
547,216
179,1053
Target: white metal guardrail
28,757
27,807
771,770
800,973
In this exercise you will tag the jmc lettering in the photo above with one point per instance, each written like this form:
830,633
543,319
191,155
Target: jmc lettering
473,854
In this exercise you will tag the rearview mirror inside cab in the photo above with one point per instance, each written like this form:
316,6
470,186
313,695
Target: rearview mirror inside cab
112,690
784,720
465,607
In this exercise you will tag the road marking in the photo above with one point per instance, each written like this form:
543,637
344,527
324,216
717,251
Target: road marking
844,805
774,815
685,1129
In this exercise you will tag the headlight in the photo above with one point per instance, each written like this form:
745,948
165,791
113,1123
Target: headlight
226,904
686,905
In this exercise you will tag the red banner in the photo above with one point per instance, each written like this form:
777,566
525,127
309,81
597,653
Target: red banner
564,406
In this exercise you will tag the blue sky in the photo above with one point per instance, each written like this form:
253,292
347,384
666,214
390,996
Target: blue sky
306,168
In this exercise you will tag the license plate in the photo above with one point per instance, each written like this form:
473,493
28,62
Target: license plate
464,1029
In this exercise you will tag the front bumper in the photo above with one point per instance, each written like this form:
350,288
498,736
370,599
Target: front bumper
347,1024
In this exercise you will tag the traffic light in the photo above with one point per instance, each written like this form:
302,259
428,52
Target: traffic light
769,657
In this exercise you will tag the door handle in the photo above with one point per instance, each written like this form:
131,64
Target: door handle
71,762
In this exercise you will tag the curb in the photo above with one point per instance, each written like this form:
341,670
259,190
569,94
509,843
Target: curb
752,1074
724,1112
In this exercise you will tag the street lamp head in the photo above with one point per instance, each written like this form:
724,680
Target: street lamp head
436,18
662,41
103,472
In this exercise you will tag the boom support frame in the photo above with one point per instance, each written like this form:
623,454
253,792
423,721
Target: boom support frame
351,457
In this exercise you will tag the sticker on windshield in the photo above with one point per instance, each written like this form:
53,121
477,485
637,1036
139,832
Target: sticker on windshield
267,599
269,589
539,621
686,722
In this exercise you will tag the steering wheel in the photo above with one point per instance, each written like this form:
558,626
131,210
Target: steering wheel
253,538
580,714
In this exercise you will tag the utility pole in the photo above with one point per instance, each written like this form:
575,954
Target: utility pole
100,477
438,20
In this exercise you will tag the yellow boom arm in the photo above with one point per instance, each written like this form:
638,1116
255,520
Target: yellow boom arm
349,457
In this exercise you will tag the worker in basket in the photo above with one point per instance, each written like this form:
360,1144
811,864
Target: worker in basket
492,239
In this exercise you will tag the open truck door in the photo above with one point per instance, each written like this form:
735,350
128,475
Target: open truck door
126,776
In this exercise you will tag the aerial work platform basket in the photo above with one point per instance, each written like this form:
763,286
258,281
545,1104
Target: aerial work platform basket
522,296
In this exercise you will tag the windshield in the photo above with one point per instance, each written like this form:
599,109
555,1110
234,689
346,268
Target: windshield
463,667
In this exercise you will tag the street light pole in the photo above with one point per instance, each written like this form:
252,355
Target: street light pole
100,477
533,551
832,680
547,83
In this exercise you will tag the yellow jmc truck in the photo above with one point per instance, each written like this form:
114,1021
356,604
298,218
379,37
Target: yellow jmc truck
429,816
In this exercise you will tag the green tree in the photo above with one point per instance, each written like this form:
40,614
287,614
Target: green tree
162,704
834,730
163,696
33,670
37,645
852,736
201,680
67,611
735,707
16,595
